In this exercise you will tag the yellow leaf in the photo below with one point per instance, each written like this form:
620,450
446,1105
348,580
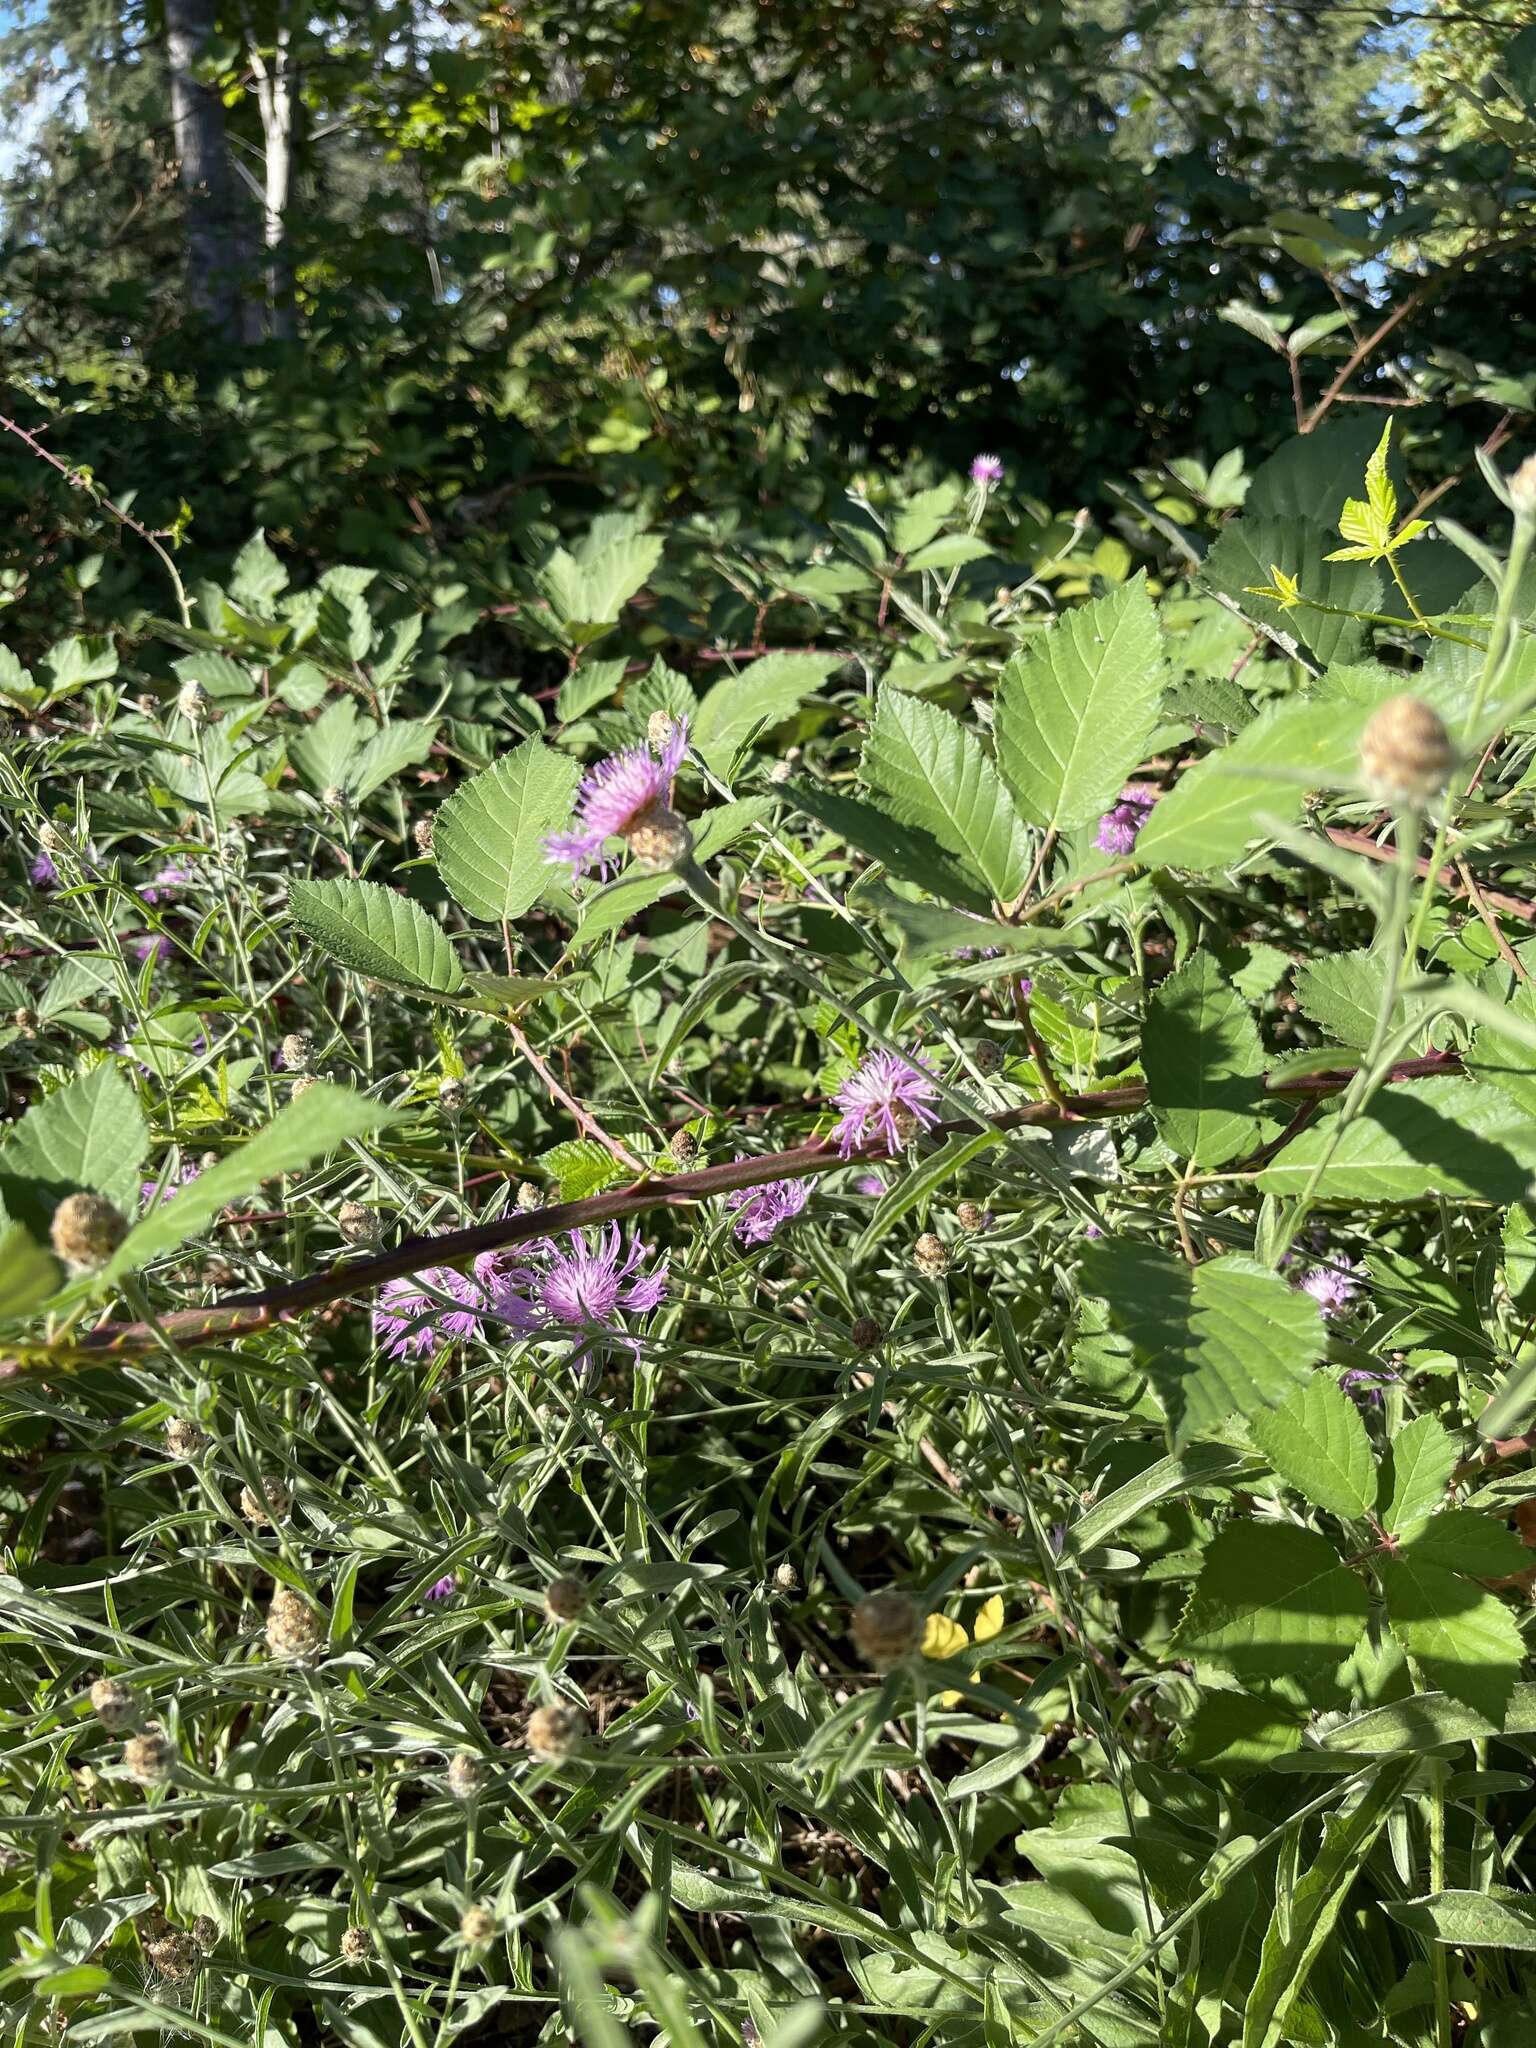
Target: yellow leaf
989,1622
943,1637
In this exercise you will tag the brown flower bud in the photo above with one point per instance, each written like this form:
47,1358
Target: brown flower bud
451,1095
334,797
659,839
86,1230
785,1578
565,1599
356,1944
1406,755
867,1334
270,1505
184,1439
422,832
115,1704
25,1022
887,1629
358,1223
148,1758
987,1056
194,703
555,1732
303,1085
298,1052
970,1216
684,1147
175,1956
529,1197
931,1256
659,729
293,1627
466,1774
477,1924
205,1932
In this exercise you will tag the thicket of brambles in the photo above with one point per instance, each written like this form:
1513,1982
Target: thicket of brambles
767,1239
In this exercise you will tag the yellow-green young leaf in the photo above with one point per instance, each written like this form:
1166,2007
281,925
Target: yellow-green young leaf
301,1132
590,585
1222,1337
1218,808
1445,1135
762,696
488,839
934,772
29,1276
1248,553
1420,1458
1077,706
378,932
1317,1443
1204,1064
88,1134
1464,1637
581,1167
1273,1601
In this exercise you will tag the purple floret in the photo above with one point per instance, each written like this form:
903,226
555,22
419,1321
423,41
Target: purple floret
887,1098
760,1211
581,1287
1120,828
613,797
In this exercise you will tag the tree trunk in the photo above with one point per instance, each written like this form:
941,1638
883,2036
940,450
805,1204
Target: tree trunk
277,97
197,117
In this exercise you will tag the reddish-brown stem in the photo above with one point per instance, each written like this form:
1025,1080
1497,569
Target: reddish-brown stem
1496,899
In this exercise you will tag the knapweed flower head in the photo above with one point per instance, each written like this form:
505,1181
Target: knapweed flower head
43,873
1120,828
443,1588
169,1183
407,1319
1364,1386
165,882
761,1211
1333,1287
986,470
581,1286
886,1099
624,797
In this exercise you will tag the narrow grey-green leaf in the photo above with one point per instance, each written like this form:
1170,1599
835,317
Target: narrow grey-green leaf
1497,1918
934,772
488,839
377,932
1204,1063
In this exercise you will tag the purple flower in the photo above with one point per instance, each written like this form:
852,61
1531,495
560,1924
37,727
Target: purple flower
1365,1386
1120,828
986,470
1026,987
760,1211
1092,1230
887,1098
581,1288
152,947
1332,1287
613,797
444,1589
407,1320
43,872
869,1184
171,877
167,1185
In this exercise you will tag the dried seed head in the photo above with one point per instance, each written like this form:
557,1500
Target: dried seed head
175,1956
356,1944
555,1732
529,1197
422,832
205,1932
887,1629
270,1505
987,1055
1406,755
786,1578
293,1627
115,1704
25,1022
184,1439
451,1095
54,838
477,1924
660,728
303,1085
970,1216
466,1774
867,1334
298,1052
658,839
1522,489
931,1256
194,703
334,797
565,1598
86,1230
781,771
358,1223
148,1758
684,1147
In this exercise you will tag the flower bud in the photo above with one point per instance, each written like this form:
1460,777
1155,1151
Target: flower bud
356,1944
1522,489
970,1216
293,1627
529,1197
115,1704
25,1022
270,1505
785,1578
194,703
555,1732
466,1774
303,1085
148,1758
358,1223
565,1599
1406,755
987,1056
451,1095
54,838
183,1439
422,832
887,1629
86,1230
205,1932
334,797
175,1956
477,1924
684,1147
931,1256
867,1334
297,1052
659,839
660,728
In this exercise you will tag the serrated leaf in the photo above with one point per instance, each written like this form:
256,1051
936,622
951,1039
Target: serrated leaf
1076,708
1317,1443
1443,1135
1496,1918
301,1132
488,838
1462,1540
1273,1601
1222,1337
89,1134
582,1167
1463,1636
933,772
905,850
1420,1459
378,932
1204,1063
1218,808
592,586
257,576
1342,992
1245,557
593,683
29,1276
763,695
1235,1732
949,551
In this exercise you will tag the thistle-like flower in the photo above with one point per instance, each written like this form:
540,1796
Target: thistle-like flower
555,1731
406,1319
1120,828
986,470
761,1211
1406,756
1333,1287
582,1289
625,797
887,1099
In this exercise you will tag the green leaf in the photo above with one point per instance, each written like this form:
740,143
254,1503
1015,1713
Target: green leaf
1273,1601
1496,1918
29,1276
488,838
1218,808
89,1134
1342,992
590,587
376,932
1444,1135
1198,1466
763,695
906,851
585,687
257,575
1420,1458
949,551
1462,1540
582,1167
1426,1721
1505,1059
933,772
1235,1732
1204,1063
1317,1443
952,1157
319,1123
1222,1337
927,929
1250,549
1077,706
1463,1636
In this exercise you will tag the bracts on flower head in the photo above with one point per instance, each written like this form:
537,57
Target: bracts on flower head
625,797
